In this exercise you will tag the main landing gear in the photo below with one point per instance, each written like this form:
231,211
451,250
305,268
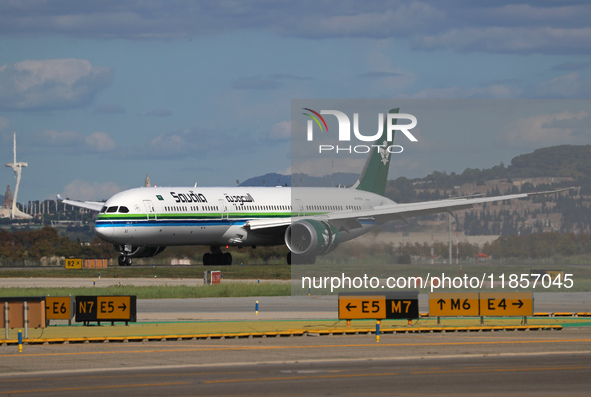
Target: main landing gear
124,260
217,258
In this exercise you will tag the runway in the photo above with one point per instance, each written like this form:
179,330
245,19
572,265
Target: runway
506,363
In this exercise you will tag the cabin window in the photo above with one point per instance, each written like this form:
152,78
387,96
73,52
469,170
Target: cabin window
103,209
111,210
123,210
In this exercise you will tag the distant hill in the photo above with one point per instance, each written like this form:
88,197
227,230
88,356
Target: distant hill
556,161
273,179
572,161
567,161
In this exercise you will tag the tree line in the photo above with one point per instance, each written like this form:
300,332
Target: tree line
46,243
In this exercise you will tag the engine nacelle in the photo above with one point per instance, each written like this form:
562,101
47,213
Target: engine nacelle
310,237
138,252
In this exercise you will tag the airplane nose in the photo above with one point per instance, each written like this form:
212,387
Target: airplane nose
104,229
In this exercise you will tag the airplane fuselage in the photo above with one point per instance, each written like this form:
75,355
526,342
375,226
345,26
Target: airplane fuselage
172,216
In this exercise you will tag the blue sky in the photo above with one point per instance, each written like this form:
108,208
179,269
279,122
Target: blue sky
101,93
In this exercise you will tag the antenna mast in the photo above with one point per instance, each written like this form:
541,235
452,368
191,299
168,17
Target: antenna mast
18,168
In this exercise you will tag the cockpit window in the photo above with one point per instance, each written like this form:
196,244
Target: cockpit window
110,210
123,210
104,209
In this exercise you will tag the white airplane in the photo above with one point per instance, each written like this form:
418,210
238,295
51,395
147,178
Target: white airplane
142,222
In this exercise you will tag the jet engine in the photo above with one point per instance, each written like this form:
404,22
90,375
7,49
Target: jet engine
310,237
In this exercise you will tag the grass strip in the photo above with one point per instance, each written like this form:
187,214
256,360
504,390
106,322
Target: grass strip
263,272
159,292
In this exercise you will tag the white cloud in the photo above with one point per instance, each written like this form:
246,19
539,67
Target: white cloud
100,142
4,123
526,27
191,142
280,131
53,138
566,86
490,91
74,142
547,130
509,39
50,84
91,191
367,19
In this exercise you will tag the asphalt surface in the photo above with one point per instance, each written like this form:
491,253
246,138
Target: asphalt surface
277,308
310,307
500,363
507,363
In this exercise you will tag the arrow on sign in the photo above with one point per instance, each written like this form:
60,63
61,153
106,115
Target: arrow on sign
123,307
349,307
441,303
518,304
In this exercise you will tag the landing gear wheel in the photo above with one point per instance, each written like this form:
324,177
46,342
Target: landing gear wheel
217,259
124,260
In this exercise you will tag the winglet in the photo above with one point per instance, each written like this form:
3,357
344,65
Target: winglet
91,205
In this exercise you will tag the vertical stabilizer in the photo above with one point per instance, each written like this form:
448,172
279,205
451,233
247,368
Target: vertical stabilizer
374,175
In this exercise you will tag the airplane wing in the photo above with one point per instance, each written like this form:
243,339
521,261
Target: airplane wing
91,205
391,212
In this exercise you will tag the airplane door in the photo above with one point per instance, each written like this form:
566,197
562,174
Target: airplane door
299,207
150,212
223,209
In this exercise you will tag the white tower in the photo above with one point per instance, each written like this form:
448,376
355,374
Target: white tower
18,168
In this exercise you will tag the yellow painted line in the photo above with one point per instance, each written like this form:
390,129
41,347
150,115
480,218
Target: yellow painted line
92,388
280,333
230,348
324,332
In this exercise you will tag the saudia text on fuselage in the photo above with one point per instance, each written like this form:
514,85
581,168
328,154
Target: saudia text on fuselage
239,199
190,197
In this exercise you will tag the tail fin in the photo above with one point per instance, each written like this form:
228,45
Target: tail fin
374,175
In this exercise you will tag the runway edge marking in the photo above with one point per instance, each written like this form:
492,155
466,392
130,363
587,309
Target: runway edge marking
287,333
